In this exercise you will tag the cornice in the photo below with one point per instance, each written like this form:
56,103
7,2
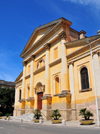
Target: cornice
80,41
17,85
18,81
82,48
83,55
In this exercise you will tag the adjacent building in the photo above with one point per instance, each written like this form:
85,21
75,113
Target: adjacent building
6,84
58,71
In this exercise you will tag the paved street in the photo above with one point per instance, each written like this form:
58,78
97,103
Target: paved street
7,127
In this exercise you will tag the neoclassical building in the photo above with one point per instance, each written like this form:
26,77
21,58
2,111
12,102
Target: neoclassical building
58,71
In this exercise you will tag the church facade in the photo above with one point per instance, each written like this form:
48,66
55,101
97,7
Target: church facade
58,71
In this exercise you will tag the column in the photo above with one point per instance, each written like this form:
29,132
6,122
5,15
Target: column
47,73
96,72
23,82
72,90
64,71
31,77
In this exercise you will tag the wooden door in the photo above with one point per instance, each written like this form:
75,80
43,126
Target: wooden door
39,100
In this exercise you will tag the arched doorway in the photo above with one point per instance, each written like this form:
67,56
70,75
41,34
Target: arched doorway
39,89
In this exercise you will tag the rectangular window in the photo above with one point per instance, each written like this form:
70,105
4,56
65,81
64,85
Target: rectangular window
56,53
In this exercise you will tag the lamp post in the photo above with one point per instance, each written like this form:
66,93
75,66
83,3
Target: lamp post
88,41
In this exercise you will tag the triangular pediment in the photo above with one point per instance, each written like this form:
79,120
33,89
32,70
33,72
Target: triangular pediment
40,32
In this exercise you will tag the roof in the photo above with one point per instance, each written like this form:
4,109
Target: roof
2,82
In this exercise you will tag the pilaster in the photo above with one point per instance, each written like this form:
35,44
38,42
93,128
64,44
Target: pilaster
72,90
64,71
23,82
47,73
96,71
32,77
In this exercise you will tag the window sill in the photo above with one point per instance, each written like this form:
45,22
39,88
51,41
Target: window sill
56,61
39,69
85,90
27,76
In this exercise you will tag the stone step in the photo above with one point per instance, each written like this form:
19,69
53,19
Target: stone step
25,117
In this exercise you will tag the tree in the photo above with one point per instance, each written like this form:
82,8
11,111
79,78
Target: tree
7,96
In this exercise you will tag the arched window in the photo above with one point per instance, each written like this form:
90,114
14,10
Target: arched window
40,63
84,78
57,83
19,94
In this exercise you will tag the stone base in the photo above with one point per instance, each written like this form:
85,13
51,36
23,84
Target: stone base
91,106
46,107
46,114
73,114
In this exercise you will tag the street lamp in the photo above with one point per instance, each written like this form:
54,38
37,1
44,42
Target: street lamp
88,41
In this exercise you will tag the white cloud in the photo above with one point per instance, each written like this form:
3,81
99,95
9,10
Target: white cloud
86,2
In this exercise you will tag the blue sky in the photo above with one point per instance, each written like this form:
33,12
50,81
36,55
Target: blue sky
19,18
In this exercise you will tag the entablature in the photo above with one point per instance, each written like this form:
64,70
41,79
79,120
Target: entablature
84,51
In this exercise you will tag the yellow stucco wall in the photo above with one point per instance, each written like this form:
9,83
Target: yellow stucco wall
83,97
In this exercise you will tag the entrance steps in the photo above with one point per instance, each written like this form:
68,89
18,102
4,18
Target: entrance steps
28,117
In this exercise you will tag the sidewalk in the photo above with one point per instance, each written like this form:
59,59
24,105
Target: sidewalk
68,124
72,124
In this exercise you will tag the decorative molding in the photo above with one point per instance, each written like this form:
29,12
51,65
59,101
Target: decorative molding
96,52
22,100
65,91
45,97
40,89
64,94
19,81
43,37
81,56
55,62
30,99
39,70
32,57
27,76
71,63
62,35
47,46
24,63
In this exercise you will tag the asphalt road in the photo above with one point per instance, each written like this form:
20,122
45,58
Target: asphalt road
7,127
